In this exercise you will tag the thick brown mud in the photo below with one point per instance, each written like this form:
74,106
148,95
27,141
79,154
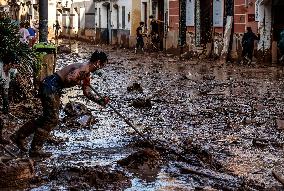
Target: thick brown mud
214,126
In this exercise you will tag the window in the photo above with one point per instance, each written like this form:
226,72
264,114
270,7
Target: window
123,17
117,17
100,19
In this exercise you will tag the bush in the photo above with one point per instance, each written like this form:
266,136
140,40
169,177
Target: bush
10,43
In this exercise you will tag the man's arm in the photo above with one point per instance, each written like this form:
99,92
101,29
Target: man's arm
87,92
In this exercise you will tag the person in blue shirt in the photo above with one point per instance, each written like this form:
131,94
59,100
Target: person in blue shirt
32,37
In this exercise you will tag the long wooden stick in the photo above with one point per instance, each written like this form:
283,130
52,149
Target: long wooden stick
124,118
159,146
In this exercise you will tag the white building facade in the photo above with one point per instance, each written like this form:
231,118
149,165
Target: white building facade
107,22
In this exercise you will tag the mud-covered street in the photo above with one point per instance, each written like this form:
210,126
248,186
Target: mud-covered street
214,126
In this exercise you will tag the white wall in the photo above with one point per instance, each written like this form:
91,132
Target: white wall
82,18
264,26
120,3
128,5
51,13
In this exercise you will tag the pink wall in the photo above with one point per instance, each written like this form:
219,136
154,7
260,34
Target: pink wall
241,17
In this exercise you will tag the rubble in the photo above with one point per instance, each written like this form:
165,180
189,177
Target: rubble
16,173
77,115
86,178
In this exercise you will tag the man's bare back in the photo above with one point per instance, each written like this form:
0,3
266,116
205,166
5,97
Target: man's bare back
75,74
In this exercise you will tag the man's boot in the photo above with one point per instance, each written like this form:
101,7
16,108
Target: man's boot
18,138
40,137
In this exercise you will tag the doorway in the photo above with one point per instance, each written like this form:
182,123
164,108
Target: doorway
205,21
277,19
158,13
107,32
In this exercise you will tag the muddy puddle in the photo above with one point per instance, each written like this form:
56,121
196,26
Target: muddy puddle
217,127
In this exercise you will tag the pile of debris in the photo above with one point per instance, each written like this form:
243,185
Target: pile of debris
16,173
85,178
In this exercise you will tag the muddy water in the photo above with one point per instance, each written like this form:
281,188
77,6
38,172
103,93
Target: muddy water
231,111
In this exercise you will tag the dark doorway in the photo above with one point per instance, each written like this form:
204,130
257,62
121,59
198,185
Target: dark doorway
160,17
206,20
107,32
277,18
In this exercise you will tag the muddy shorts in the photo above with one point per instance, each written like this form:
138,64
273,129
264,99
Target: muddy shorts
51,85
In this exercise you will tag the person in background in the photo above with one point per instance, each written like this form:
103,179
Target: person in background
248,44
24,33
139,37
32,37
7,71
56,28
154,28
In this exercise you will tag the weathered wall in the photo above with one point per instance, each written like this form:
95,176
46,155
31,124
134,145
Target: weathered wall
173,25
136,19
244,9
88,20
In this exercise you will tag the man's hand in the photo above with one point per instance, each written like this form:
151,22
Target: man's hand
103,101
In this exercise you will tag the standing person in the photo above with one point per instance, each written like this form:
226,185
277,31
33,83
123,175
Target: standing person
50,91
281,46
32,37
7,71
248,44
154,26
24,33
56,27
139,37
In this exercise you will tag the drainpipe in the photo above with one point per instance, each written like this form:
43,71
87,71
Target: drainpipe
264,35
43,20
182,25
197,23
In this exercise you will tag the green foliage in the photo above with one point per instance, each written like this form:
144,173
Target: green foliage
37,66
10,43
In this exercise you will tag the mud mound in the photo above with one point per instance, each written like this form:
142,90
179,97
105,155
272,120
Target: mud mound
75,109
135,87
141,159
63,49
77,115
202,154
97,177
15,173
141,103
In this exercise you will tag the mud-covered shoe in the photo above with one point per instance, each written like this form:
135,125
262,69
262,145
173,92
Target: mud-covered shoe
39,154
20,143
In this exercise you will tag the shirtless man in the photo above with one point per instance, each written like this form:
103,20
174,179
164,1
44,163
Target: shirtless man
50,91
